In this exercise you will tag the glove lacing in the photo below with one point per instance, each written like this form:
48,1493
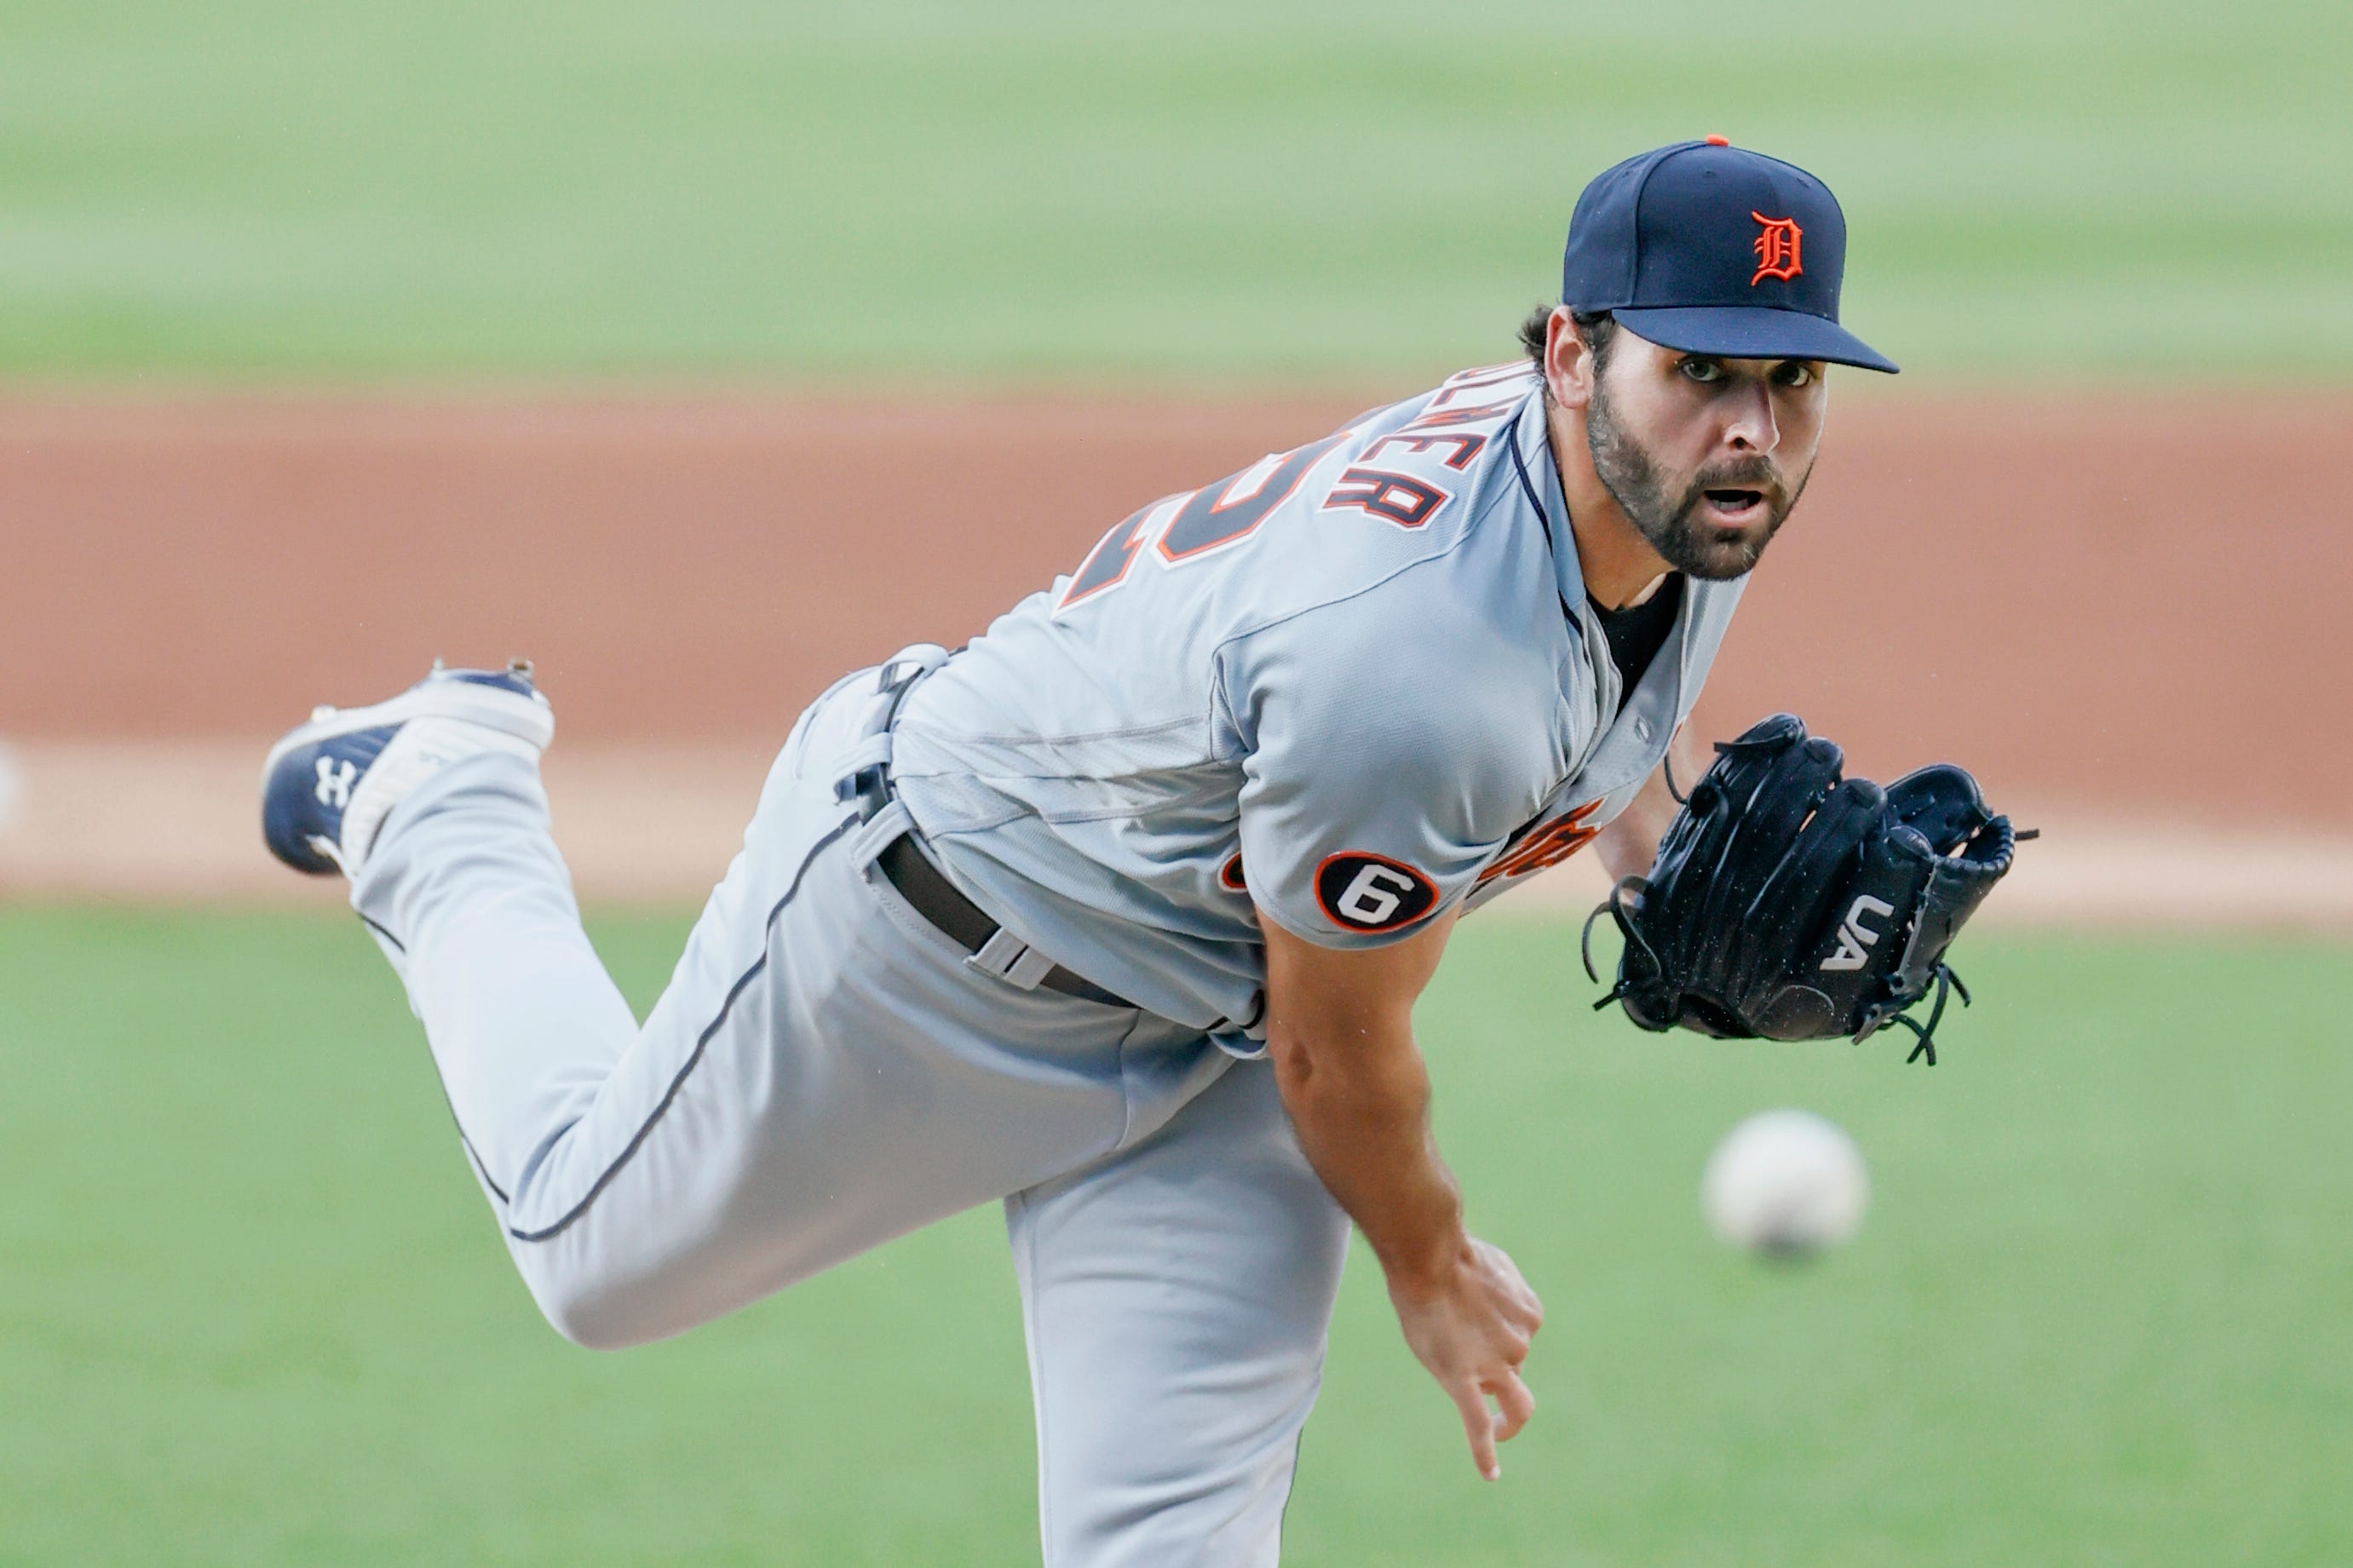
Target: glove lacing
1946,981
1610,906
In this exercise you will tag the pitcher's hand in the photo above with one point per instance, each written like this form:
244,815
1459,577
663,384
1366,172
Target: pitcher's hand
1470,1323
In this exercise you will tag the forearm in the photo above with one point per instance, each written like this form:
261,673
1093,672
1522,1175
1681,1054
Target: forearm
1365,1131
1340,1029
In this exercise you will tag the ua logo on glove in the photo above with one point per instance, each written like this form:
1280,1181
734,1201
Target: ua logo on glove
1854,937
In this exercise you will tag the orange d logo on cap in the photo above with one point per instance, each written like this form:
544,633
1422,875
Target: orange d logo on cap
1776,247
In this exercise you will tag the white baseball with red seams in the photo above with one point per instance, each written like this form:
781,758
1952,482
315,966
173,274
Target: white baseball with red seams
1784,1182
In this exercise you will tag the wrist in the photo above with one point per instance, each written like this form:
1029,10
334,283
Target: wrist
1426,1269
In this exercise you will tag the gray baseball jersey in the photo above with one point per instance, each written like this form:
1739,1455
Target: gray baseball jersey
1351,686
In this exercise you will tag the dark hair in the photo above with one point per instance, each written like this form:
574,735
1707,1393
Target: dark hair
1599,328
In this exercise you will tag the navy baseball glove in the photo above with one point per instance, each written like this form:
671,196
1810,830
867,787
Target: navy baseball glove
1791,904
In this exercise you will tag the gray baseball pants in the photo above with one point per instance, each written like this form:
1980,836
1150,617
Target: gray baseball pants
824,1072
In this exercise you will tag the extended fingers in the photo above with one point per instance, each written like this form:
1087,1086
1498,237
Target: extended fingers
1479,1426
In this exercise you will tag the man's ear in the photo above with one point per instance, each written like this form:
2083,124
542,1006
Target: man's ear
1569,363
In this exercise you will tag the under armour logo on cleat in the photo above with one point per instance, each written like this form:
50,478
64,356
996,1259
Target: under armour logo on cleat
335,783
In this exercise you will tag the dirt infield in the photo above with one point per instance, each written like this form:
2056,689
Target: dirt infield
2121,607
176,822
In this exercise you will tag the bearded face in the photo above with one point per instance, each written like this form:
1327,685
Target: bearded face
1712,523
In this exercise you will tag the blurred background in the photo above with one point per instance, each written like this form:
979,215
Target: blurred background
703,351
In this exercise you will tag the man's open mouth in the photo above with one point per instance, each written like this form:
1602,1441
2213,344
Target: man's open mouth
1736,505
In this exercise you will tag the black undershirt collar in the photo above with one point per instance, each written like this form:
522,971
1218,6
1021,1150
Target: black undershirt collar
1637,632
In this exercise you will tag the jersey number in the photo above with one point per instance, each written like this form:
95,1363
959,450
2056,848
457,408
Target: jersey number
1108,562
1205,520
1372,892
1230,510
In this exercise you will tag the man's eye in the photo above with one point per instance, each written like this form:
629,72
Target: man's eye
1796,373
1703,370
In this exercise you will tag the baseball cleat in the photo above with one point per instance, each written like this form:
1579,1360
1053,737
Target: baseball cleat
329,784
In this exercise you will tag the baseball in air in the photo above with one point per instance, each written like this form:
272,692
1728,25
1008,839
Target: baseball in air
1785,1182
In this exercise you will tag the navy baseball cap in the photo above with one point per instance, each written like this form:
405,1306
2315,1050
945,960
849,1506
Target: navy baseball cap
1711,250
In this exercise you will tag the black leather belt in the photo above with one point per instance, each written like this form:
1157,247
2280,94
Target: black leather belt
961,919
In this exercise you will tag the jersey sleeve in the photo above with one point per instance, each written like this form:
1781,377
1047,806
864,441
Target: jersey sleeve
1390,746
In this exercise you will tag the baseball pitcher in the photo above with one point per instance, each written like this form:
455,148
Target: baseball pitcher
1117,915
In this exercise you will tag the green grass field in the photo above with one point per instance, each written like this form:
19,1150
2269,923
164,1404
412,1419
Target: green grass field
252,1310
1206,191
